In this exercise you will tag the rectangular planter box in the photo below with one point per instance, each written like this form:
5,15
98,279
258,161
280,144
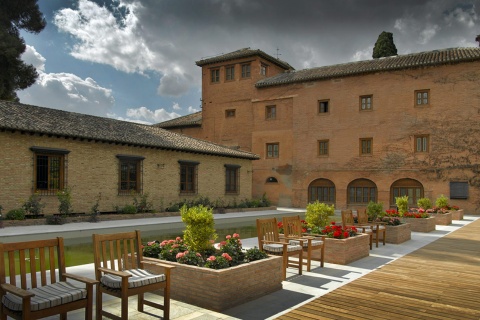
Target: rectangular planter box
398,234
421,224
442,219
222,289
345,251
457,214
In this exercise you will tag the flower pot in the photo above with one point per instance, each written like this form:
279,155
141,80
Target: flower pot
442,219
345,251
421,224
457,214
225,288
398,234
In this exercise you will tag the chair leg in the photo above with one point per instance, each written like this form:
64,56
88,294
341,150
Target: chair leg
98,304
309,258
166,301
371,240
124,305
140,300
63,316
384,236
285,265
300,262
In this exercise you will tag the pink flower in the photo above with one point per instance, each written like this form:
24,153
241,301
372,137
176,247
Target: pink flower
211,258
175,246
151,243
228,236
236,235
198,254
179,255
222,243
178,239
227,256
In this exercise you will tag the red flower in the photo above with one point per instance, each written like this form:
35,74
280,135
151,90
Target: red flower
346,234
337,234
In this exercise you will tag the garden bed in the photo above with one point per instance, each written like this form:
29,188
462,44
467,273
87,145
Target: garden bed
345,251
398,234
442,219
457,214
421,224
222,289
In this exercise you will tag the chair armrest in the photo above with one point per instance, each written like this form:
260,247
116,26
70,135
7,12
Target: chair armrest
80,278
17,291
163,265
115,272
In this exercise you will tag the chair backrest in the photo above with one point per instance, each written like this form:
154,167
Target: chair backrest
292,226
347,218
267,229
35,263
118,251
362,216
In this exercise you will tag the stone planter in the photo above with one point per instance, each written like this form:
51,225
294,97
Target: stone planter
442,219
345,251
457,214
222,289
398,234
421,224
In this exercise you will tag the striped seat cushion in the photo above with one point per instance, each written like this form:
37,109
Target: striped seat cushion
278,248
380,227
139,278
47,296
364,230
315,243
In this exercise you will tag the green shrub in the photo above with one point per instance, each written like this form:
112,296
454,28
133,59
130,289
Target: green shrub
254,254
33,205
441,201
65,199
142,205
55,220
424,203
152,250
16,214
199,230
129,209
374,210
402,204
317,214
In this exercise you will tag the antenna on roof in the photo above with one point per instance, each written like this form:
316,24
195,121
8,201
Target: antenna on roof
278,54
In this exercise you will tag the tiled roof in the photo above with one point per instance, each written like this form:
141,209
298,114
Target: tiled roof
190,120
27,118
244,53
414,60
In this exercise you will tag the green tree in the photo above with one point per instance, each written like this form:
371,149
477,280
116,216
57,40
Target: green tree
14,73
384,47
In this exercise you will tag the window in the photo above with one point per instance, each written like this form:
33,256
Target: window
323,106
49,170
246,70
323,148
362,191
366,146
322,190
422,98
188,177
272,150
232,178
230,113
215,75
366,102
270,112
421,143
263,69
230,73
130,173
406,187
458,190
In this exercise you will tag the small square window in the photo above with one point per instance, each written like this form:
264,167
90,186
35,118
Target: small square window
230,113
458,190
422,98
366,102
366,146
270,112
246,70
263,69
272,150
323,147
324,106
230,73
215,75
422,143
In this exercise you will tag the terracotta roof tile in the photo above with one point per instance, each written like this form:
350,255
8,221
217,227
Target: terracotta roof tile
193,119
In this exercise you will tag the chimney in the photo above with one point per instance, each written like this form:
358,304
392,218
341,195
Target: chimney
478,40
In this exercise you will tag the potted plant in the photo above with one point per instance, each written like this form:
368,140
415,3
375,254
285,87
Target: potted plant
419,220
397,231
440,211
402,204
318,213
374,210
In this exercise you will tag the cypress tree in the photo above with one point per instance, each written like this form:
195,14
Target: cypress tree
384,47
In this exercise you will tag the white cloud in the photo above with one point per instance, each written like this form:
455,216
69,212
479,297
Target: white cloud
428,33
192,109
365,54
31,56
145,115
176,106
463,16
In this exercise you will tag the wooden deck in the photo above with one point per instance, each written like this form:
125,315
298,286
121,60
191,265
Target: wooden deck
438,281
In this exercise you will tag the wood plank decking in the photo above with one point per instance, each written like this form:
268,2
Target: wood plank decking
438,281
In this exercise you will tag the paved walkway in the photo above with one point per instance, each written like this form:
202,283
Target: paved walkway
297,290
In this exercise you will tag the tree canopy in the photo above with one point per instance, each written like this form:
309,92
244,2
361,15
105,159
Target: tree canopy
14,73
384,47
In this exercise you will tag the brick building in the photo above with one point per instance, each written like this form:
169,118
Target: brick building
349,133
46,150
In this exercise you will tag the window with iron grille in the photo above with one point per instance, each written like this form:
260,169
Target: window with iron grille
188,177
49,170
232,183
130,174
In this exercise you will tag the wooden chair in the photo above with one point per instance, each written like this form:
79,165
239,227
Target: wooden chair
292,228
377,227
268,241
347,220
119,269
36,285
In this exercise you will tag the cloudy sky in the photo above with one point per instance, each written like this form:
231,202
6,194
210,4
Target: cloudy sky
135,59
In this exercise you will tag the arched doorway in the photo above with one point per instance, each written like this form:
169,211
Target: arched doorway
322,190
361,192
406,187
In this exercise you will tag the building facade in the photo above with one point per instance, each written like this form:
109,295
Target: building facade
350,133
45,151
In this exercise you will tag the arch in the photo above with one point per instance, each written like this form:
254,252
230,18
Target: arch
409,187
322,190
271,180
361,192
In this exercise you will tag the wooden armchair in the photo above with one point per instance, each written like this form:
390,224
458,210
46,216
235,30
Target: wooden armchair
119,269
268,241
347,220
378,228
292,228
33,282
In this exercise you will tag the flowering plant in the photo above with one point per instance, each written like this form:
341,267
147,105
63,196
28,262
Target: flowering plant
170,248
190,258
392,213
280,227
418,213
391,221
218,262
339,232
